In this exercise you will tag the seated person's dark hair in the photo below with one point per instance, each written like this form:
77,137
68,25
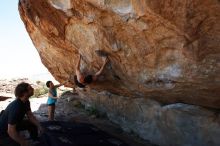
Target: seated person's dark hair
78,83
88,79
48,84
21,89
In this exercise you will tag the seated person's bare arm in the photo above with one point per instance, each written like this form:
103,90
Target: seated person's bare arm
12,132
34,120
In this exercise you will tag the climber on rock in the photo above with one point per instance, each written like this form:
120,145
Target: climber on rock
81,80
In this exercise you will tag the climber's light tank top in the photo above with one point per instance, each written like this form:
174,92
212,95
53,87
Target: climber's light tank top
50,99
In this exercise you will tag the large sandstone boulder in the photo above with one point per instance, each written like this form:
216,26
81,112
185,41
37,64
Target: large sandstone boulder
165,50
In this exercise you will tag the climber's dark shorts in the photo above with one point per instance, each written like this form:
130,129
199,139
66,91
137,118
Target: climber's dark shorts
52,104
88,79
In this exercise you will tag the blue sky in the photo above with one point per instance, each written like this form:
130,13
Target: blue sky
18,56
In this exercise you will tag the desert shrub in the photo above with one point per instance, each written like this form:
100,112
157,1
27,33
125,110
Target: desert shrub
92,111
40,91
38,82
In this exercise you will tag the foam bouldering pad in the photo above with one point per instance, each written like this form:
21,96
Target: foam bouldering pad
59,133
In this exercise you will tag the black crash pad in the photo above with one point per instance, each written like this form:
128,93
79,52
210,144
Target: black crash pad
76,134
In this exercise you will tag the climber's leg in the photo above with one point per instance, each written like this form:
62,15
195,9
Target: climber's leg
79,75
95,77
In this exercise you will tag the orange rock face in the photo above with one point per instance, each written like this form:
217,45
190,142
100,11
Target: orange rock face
167,50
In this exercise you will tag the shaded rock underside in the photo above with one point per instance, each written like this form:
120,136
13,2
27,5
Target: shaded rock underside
167,50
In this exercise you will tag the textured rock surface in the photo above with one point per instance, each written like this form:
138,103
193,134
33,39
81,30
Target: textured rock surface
166,50
170,125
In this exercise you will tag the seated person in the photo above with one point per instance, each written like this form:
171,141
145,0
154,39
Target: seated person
12,119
